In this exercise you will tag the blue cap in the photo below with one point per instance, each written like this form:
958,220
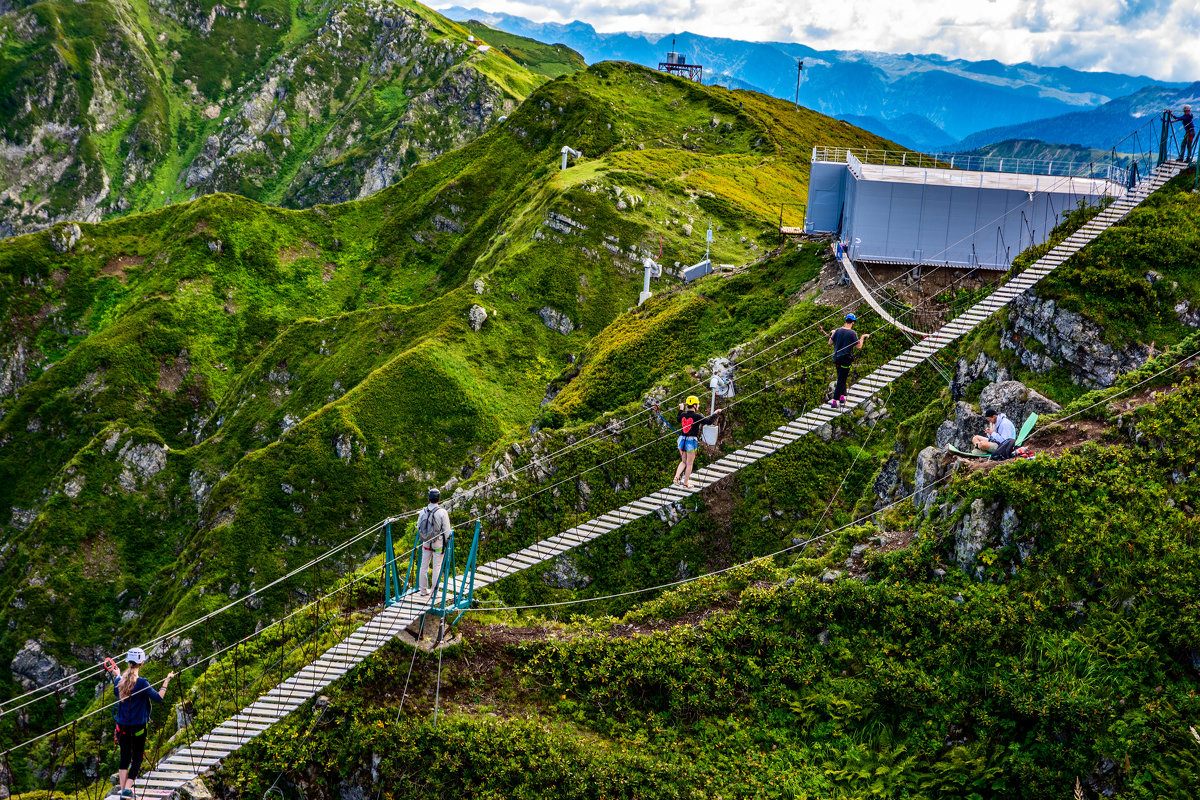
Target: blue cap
851,318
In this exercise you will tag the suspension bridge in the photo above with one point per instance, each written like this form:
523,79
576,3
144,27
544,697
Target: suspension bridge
201,755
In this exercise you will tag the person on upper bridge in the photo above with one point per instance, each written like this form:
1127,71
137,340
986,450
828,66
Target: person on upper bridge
690,423
1189,133
844,342
1001,435
134,694
433,528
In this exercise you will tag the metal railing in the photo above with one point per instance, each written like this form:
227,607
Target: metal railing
1108,170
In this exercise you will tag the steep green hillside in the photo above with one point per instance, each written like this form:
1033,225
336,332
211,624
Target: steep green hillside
208,395
199,398
1033,625
552,60
112,106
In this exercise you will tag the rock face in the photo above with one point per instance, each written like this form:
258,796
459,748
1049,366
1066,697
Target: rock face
989,525
556,320
967,372
63,239
1012,398
564,574
889,486
1065,338
932,467
33,668
272,108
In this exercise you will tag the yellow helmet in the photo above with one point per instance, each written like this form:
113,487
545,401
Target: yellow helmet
692,400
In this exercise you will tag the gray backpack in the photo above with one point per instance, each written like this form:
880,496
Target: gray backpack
427,527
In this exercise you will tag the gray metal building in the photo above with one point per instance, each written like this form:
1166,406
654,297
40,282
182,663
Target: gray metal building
913,209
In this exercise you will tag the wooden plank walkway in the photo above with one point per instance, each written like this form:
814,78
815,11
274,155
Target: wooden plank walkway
193,760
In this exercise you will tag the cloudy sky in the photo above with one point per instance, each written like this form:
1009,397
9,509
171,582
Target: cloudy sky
1159,38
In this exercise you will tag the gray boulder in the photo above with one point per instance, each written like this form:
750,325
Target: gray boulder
564,574
556,320
958,432
33,668
64,238
1016,401
476,317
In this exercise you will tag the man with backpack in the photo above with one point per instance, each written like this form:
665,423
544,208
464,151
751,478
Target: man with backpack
433,528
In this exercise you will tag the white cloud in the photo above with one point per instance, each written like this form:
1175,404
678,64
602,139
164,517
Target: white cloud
1158,38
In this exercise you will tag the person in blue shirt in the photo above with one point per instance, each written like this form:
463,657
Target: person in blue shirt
134,695
1001,433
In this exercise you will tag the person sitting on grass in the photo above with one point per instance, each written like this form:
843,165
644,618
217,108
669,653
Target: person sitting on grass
1001,435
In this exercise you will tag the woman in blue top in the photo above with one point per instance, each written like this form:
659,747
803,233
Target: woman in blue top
134,694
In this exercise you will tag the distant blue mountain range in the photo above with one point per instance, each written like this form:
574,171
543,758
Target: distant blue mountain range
926,102
1102,127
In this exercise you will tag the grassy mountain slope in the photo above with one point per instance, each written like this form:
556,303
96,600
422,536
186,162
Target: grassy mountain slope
115,106
898,658
247,385
952,667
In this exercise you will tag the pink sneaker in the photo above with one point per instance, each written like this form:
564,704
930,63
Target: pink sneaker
833,403
842,400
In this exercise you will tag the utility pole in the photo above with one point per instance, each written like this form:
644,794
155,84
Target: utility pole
799,69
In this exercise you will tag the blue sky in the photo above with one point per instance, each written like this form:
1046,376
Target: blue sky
1159,38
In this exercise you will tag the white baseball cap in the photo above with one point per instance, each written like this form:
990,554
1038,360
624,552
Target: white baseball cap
136,655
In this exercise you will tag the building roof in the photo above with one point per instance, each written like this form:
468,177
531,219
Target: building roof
1013,181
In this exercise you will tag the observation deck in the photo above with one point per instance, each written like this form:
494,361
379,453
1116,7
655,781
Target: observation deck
970,212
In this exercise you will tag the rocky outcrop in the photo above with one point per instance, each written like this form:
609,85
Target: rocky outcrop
967,372
1012,398
476,317
33,668
338,113
967,422
1016,401
564,574
989,526
932,469
1044,335
888,486
556,320
141,461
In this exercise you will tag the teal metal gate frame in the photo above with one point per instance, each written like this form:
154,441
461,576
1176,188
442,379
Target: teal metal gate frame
452,600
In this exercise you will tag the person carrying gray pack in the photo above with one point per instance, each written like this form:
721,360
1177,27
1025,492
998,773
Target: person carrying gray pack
433,529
